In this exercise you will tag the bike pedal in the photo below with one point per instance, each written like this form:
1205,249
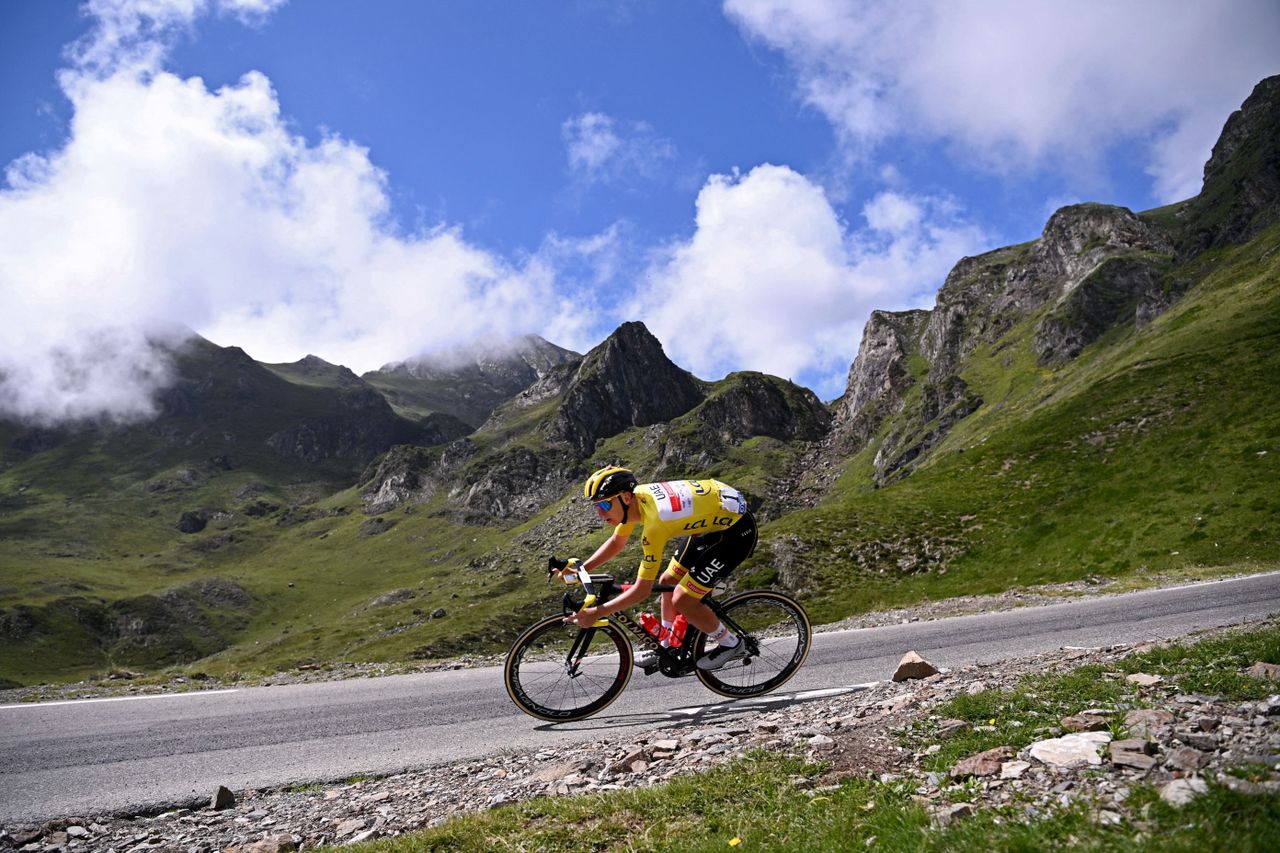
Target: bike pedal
649,670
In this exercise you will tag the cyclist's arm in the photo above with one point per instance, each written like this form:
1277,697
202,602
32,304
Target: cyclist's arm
606,552
637,593
587,616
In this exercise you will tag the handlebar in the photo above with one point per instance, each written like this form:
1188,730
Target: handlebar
570,572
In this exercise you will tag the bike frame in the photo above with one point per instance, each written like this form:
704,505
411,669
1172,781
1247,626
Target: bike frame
672,663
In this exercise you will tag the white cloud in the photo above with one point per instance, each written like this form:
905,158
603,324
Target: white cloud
603,149
591,141
772,280
136,33
173,204
1018,85
892,213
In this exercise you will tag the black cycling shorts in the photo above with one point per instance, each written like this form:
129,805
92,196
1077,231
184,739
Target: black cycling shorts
710,557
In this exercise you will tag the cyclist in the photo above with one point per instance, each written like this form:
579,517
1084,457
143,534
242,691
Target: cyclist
721,531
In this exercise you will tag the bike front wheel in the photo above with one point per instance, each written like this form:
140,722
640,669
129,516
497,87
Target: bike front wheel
778,635
557,671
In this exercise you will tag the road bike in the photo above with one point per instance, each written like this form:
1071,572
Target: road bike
557,671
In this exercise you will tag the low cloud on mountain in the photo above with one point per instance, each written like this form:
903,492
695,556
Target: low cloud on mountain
172,203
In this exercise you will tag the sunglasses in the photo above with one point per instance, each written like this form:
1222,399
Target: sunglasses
604,506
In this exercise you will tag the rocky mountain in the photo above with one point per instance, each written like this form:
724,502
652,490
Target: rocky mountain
627,381
1094,267
1241,194
224,404
536,446
530,448
313,370
467,382
1099,401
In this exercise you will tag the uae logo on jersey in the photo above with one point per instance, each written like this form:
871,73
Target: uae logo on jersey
674,500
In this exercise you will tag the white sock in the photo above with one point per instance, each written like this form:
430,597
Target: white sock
666,634
724,637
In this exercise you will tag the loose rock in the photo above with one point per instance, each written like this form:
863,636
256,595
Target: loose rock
1179,792
1134,752
222,798
1187,758
1148,722
1264,671
1143,679
947,728
1014,769
947,814
1085,723
983,764
913,666
275,844
1075,750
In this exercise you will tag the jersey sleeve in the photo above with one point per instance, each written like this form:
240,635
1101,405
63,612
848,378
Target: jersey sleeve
651,559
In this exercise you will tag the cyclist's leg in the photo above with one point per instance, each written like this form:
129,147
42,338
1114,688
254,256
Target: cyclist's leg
710,558
673,575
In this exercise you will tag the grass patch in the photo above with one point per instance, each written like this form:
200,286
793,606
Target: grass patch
1033,709
754,803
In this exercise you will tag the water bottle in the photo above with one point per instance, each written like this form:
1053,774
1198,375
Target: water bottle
677,631
651,624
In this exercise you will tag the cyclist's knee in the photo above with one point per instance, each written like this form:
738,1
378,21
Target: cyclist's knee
685,595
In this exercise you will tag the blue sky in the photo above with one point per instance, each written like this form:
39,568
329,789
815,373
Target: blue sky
370,181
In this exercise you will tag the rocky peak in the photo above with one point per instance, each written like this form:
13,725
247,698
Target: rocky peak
751,404
626,381
313,370
1077,237
880,373
1241,193
1253,125
984,297
1094,266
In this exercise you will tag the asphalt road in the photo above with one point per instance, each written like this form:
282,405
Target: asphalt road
136,754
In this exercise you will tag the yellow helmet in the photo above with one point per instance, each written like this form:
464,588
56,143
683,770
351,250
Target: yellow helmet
607,482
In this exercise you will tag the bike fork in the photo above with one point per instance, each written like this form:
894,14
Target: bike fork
578,651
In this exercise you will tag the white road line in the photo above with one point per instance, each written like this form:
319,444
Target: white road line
770,699
118,699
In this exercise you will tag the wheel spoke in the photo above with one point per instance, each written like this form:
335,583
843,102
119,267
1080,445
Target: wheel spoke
781,634
537,672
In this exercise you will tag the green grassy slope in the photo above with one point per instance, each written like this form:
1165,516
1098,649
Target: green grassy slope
1157,449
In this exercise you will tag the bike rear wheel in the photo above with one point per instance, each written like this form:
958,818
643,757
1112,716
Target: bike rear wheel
778,635
557,671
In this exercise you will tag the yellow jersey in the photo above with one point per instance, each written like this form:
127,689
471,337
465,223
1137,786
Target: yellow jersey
679,508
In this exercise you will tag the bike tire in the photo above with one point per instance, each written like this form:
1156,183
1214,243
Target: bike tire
777,627
538,679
